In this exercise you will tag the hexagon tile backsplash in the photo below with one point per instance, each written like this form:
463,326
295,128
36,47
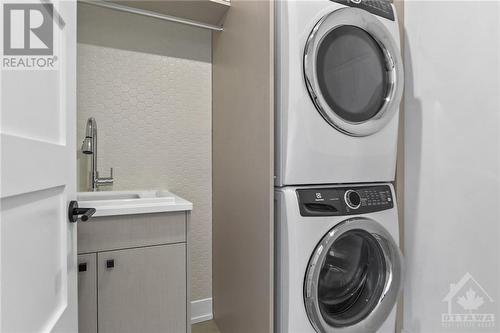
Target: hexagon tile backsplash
153,116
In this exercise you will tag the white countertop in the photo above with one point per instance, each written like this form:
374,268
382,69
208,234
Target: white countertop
110,203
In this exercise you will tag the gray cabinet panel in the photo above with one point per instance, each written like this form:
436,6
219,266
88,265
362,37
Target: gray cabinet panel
125,231
243,168
87,293
145,291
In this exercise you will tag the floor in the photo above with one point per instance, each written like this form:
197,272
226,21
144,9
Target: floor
205,327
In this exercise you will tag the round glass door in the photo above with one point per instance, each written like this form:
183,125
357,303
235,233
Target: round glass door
353,71
353,278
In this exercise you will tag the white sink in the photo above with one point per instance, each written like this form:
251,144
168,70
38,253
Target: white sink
110,203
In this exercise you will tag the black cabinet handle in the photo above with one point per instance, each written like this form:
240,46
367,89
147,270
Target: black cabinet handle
110,263
82,267
74,212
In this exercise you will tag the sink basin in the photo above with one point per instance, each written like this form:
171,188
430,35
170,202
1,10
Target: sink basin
109,203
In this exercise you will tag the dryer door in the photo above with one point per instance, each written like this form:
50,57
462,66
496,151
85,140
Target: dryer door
353,278
353,71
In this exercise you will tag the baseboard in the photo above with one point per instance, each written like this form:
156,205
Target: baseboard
201,310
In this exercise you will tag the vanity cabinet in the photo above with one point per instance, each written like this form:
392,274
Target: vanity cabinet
134,273
87,293
142,290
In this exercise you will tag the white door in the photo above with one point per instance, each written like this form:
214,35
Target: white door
38,172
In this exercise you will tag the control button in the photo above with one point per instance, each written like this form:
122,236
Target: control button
352,199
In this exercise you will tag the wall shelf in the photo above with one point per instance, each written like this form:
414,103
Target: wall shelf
207,14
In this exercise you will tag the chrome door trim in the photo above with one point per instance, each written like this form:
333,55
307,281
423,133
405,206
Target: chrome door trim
393,282
369,23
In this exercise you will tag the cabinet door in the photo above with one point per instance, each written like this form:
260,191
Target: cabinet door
142,290
87,293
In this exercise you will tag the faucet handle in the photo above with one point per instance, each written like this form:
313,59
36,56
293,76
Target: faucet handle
110,174
105,180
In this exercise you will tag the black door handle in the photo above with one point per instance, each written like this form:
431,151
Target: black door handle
74,212
82,267
110,263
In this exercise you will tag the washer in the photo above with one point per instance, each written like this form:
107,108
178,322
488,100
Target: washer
338,264
339,82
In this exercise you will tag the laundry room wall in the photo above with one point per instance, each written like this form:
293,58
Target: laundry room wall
148,84
452,159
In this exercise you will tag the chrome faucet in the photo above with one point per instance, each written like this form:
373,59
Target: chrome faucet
89,147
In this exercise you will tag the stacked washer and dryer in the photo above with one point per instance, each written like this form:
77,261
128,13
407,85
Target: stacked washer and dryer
339,84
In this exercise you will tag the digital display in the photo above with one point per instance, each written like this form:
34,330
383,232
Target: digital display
337,201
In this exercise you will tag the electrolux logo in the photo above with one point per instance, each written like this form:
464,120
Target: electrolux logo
28,36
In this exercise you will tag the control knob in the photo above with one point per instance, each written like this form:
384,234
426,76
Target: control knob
352,199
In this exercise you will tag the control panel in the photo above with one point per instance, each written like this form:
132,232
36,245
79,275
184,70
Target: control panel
381,8
336,201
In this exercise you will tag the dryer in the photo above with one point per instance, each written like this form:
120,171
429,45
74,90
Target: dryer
338,264
339,82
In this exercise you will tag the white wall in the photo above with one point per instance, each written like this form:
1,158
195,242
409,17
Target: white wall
148,84
452,183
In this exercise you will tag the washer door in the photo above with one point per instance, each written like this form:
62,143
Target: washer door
353,71
353,279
